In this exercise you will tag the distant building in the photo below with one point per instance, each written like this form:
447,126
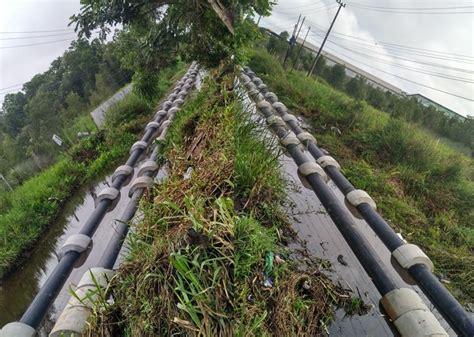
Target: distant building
425,101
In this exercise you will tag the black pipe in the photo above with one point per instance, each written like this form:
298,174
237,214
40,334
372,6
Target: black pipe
342,218
457,317
48,292
120,232
46,295
454,313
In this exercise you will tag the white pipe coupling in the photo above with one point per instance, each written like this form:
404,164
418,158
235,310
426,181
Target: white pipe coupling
257,80
138,145
289,117
271,96
160,113
146,167
325,161
308,168
409,254
17,329
126,170
263,104
178,101
140,182
164,125
306,137
357,197
153,124
280,107
275,120
73,319
289,139
410,315
76,242
109,193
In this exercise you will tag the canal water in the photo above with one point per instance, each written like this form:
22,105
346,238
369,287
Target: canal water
19,289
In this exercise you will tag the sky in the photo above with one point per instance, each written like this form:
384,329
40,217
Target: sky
445,40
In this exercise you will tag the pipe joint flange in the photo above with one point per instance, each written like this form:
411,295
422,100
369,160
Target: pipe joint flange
275,120
306,137
17,329
167,104
280,107
160,113
164,125
263,104
410,315
245,79
357,197
172,97
250,86
125,170
73,319
257,80
154,125
109,193
178,102
308,168
289,139
147,167
140,182
408,255
138,145
76,242
262,87
183,92
326,161
271,97
173,110
289,117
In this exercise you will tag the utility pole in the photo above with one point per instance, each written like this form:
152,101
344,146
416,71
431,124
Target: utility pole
292,39
301,47
341,4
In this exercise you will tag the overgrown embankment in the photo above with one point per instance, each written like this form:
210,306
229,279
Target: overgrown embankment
424,188
28,210
206,260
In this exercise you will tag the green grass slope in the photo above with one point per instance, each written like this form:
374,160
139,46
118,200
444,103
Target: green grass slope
422,187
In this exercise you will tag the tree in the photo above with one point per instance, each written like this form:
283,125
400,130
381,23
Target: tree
13,117
356,87
337,76
207,31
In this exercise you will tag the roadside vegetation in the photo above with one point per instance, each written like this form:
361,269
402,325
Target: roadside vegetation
28,210
422,187
208,258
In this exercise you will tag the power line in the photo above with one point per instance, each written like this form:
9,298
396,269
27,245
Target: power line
38,44
409,8
401,46
33,37
396,56
404,78
440,75
400,77
12,86
406,12
37,31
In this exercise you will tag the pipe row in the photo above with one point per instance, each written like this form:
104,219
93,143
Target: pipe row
405,313
71,253
418,265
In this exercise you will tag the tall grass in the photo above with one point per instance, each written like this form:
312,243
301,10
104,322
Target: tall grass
423,187
197,258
